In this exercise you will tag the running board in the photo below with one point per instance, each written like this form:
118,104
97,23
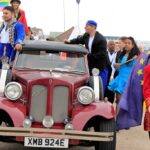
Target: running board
54,133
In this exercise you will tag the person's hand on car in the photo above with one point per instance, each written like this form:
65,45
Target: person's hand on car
66,41
18,47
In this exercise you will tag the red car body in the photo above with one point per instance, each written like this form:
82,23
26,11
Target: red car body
79,114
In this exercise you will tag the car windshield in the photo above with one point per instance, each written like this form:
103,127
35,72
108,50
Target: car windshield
59,61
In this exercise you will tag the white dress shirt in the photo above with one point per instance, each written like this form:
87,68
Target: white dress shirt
112,58
4,35
91,39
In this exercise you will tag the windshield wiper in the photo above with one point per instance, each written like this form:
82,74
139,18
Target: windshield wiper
77,71
60,69
20,67
68,70
51,70
32,68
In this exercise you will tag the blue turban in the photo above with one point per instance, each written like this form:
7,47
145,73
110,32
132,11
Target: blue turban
92,23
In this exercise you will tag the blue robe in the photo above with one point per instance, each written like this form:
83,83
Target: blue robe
16,36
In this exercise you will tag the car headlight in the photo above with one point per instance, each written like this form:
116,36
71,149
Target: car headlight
27,123
69,126
86,95
13,91
48,122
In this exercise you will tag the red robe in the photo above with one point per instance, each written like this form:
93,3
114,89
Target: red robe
146,87
22,19
146,92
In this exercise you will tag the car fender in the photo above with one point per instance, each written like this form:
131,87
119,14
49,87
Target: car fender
81,115
15,110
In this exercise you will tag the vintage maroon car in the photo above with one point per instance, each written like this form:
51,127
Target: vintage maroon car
50,100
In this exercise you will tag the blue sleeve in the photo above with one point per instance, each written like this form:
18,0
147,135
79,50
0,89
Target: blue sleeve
132,63
20,34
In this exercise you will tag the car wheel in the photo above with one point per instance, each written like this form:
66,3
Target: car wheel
93,84
106,125
5,121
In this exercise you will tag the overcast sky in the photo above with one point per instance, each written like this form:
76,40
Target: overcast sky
114,17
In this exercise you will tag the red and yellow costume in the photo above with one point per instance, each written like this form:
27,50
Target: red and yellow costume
146,92
22,18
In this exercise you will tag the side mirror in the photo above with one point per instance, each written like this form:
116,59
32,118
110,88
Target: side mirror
95,72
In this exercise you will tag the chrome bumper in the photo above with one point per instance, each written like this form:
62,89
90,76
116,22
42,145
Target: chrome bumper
54,133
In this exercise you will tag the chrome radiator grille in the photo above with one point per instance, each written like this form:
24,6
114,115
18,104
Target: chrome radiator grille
38,102
60,103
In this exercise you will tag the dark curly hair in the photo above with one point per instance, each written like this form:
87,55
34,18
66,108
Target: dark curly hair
134,51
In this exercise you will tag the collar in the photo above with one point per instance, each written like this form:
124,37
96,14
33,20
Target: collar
114,52
92,35
18,14
11,23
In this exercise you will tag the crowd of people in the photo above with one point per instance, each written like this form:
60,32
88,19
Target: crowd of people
118,62
115,60
123,66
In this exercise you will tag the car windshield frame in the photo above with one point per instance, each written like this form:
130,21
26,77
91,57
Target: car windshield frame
63,56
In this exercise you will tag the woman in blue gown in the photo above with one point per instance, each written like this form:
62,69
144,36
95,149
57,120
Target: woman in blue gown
124,67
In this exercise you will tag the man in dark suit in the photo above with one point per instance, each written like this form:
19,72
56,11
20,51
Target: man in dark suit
97,46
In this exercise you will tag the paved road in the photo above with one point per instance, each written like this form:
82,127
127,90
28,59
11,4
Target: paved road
133,139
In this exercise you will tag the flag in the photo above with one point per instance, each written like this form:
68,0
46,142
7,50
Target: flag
4,3
131,103
78,1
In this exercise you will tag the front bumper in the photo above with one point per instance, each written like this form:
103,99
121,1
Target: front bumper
53,133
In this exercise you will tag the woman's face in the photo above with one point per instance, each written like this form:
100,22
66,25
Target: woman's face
128,45
121,44
15,5
117,47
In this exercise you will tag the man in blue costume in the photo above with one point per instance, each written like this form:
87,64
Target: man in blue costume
12,35
131,103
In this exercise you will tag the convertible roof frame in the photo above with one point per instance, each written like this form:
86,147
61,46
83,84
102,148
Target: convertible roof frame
52,46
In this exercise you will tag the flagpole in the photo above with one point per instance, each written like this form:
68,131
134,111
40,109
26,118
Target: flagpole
78,15
64,15
78,2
